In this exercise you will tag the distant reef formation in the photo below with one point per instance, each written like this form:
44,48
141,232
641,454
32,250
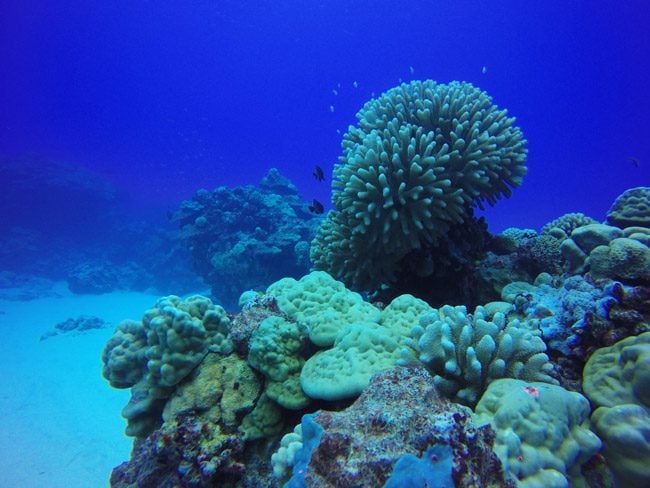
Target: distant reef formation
62,221
245,237
54,197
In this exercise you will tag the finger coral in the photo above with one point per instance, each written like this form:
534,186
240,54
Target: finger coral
421,156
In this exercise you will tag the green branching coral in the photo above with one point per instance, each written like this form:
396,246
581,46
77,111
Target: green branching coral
465,352
422,155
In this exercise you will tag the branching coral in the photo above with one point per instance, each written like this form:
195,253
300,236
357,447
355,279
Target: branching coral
420,157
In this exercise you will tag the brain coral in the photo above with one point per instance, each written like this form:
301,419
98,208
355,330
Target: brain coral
631,208
322,304
420,157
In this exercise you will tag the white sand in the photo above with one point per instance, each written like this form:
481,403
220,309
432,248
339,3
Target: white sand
61,424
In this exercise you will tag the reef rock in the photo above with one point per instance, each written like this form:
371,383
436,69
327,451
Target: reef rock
399,431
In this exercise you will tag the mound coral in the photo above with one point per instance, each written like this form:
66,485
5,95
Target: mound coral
322,304
154,355
422,155
631,208
616,379
543,434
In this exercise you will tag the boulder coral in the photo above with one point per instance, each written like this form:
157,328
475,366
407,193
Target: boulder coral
563,226
154,355
617,381
631,208
543,434
322,304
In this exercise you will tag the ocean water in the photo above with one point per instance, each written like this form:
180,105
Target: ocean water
113,113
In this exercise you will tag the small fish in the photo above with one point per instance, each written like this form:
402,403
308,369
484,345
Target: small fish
411,69
335,92
484,69
318,173
532,391
316,207
634,161
331,108
540,312
355,84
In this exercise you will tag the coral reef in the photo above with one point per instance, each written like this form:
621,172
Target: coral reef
558,312
274,350
362,339
625,430
209,407
246,237
620,374
624,259
64,222
609,252
252,314
421,156
98,277
516,255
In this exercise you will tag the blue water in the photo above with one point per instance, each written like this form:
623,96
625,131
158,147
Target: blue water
114,112
163,98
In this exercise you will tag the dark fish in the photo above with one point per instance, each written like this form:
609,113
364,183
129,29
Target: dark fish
318,173
316,207
634,161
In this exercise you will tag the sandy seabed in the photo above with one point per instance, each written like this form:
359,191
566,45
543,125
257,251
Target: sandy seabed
61,424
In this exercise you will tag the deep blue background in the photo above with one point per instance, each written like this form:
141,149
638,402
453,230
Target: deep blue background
167,97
